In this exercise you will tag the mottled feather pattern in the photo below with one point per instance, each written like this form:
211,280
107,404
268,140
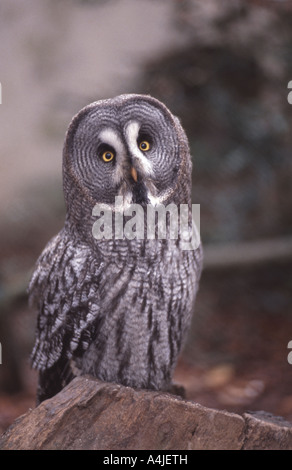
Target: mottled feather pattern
116,309
113,333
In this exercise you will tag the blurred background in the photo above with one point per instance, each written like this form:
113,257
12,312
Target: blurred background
222,66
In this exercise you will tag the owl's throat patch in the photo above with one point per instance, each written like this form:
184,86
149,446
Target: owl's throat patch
139,193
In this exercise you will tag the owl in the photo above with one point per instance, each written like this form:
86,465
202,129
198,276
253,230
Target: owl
116,308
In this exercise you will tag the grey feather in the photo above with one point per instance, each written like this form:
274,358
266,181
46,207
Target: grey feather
116,309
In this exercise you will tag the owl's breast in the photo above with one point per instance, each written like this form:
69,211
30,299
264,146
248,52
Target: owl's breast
145,303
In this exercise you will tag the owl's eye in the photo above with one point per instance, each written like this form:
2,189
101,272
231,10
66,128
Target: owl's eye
144,145
108,156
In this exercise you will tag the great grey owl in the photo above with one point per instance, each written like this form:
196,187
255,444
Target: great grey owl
117,308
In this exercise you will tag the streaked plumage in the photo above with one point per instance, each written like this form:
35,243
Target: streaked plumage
116,309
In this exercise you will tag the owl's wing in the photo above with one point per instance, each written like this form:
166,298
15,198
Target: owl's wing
64,290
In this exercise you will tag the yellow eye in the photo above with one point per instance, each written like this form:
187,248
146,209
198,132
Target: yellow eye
107,156
144,146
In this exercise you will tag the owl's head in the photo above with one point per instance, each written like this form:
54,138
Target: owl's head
130,146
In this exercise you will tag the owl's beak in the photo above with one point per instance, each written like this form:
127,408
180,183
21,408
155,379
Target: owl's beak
134,174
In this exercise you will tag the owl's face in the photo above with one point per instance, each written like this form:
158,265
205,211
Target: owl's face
129,146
